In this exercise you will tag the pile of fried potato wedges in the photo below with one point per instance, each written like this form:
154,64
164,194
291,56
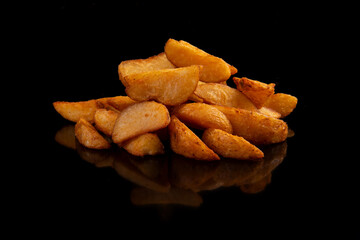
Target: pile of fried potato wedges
181,97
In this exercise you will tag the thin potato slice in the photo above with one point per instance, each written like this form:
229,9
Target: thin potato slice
73,111
105,120
184,142
129,67
202,116
255,127
138,119
230,146
169,86
88,136
145,144
257,92
223,95
183,54
282,103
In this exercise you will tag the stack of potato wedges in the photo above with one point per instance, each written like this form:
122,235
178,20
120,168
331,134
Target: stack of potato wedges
181,96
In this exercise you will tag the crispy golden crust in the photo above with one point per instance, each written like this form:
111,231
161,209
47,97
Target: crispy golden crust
230,146
183,54
135,66
282,103
105,120
256,91
202,116
73,111
88,136
145,144
255,127
184,142
223,95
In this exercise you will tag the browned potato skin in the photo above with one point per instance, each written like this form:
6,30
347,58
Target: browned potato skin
223,95
282,103
168,86
184,142
88,136
105,120
140,118
183,54
258,92
145,144
202,116
230,146
135,66
255,127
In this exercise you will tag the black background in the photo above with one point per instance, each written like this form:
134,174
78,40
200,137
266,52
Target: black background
79,46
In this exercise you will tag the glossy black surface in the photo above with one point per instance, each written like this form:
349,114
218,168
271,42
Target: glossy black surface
69,187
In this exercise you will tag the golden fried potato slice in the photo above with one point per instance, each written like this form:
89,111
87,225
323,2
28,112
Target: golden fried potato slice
258,92
73,111
282,103
255,127
88,136
223,95
230,146
140,118
202,116
145,144
129,67
117,103
184,142
105,120
168,86
183,54
269,112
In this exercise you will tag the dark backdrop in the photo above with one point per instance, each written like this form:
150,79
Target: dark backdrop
79,46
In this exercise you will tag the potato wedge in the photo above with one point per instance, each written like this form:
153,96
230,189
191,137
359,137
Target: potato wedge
183,54
202,116
105,120
230,146
282,103
255,127
184,142
145,144
117,103
168,86
257,92
129,67
140,118
223,95
73,111
89,137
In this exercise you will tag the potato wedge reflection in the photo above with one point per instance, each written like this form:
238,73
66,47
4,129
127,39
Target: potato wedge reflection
126,166
188,174
145,196
66,136
99,158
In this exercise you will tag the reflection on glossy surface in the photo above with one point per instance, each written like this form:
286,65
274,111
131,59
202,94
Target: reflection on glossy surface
174,179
